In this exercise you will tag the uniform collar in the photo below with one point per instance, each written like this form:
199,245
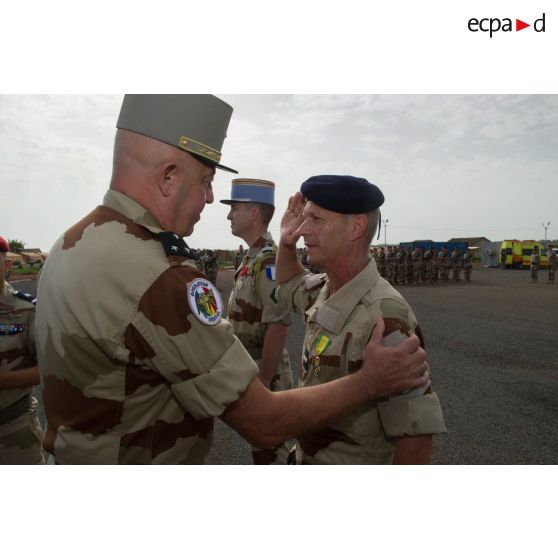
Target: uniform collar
262,241
332,312
132,209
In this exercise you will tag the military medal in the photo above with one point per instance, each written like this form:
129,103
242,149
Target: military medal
316,366
321,345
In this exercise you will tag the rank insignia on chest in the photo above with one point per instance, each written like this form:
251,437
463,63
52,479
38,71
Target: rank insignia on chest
12,329
205,301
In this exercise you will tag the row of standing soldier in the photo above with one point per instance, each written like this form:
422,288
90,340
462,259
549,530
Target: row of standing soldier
206,261
413,266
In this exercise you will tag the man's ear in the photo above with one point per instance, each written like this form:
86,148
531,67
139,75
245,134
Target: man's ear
255,213
167,179
358,226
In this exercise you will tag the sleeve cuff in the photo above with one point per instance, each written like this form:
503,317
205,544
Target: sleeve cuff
412,416
209,394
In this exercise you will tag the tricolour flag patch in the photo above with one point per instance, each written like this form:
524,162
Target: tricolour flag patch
270,272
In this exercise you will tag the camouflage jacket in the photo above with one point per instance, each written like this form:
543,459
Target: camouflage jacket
338,328
130,370
552,258
252,305
17,340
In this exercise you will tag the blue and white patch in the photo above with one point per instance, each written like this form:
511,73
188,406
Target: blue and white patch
270,272
12,329
26,296
205,301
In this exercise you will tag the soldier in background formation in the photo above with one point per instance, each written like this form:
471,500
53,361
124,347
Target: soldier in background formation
444,264
456,264
303,257
535,260
406,266
211,267
238,257
20,431
468,264
207,263
551,263
416,258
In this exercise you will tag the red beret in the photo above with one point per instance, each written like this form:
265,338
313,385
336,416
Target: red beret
4,245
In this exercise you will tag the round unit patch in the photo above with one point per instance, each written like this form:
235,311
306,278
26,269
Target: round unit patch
205,301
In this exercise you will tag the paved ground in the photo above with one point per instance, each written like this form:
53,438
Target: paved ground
493,350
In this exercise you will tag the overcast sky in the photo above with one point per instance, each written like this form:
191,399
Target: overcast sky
449,165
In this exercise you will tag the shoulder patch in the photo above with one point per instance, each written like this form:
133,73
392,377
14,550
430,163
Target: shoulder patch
205,301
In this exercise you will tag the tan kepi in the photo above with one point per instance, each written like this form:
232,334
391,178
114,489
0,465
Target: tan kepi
195,123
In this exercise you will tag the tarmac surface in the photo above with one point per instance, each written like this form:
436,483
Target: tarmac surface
492,345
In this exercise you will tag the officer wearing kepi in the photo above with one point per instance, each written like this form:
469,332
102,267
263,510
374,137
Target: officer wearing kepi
136,360
258,320
338,216
20,431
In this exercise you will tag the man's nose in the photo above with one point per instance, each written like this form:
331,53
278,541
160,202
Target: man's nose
303,229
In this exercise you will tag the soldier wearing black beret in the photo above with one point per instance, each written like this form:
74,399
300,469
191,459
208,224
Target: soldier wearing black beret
344,308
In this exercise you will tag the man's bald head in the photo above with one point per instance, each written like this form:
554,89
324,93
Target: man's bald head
159,176
136,153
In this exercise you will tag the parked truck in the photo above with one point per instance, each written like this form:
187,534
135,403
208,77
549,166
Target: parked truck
516,254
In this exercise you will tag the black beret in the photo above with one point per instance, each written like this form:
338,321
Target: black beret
342,194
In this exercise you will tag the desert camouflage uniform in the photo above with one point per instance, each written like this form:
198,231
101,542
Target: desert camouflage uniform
252,306
551,263
426,275
435,265
416,258
456,265
468,265
443,256
534,266
211,267
129,372
20,431
389,262
338,327
381,263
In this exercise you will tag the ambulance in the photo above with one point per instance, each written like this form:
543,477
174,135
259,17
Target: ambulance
516,254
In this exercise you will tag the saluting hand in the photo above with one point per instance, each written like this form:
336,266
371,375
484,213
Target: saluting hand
292,219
